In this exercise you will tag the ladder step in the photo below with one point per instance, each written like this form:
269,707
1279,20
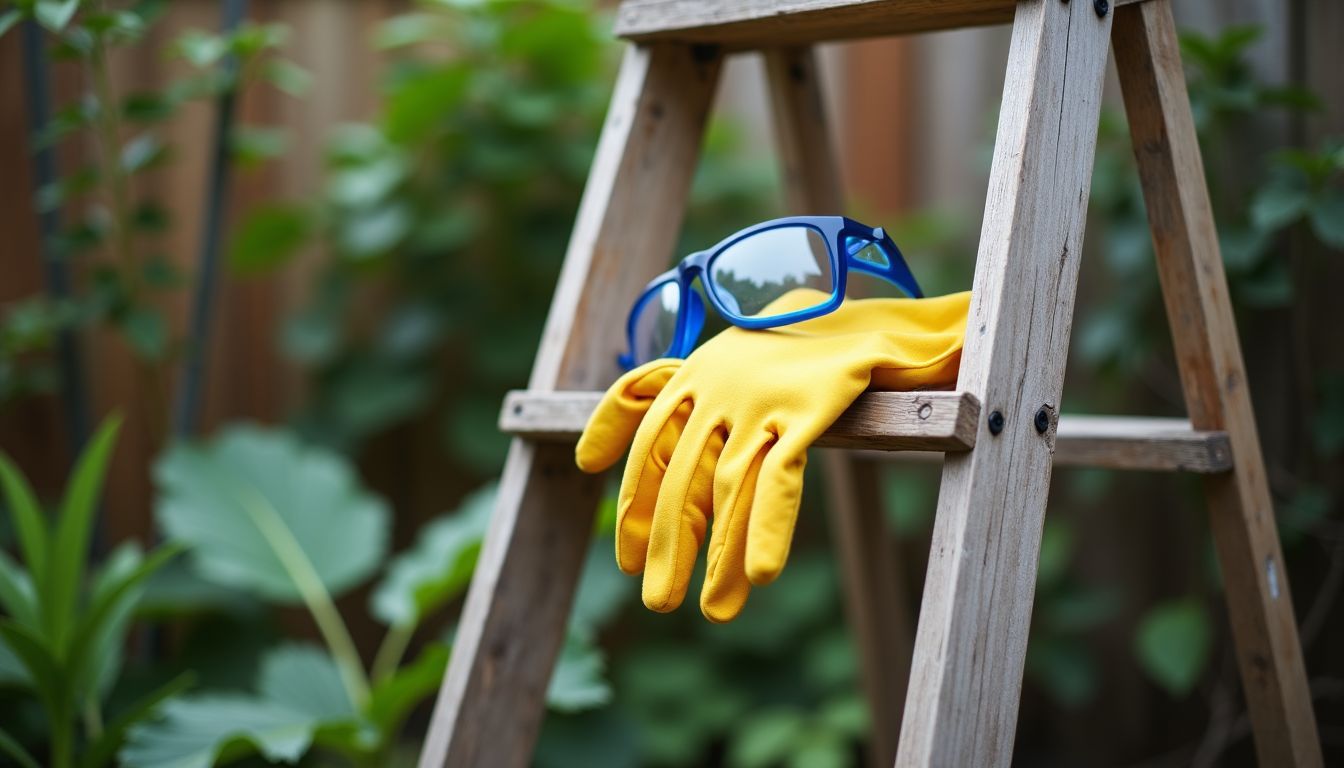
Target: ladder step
932,422
886,421
740,24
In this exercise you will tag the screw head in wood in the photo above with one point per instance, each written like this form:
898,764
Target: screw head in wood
1102,7
995,422
1042,420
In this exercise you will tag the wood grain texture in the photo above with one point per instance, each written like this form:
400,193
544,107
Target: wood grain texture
767,23
1213,376
962,704
762,23
874,593
491,704
1131,442
884,421
1107,442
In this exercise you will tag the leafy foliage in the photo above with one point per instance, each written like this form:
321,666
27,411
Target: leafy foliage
62,638
290,522
112,236
262,512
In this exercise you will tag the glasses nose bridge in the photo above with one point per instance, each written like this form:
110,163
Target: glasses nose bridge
692,266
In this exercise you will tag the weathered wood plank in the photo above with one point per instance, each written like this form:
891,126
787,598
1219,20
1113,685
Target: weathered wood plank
490,707
1214,379
1132,442
875,604
970,647
1108,442
887,421
766,23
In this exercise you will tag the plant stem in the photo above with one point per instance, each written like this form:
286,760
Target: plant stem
61,736
117,183
388,658
109,156
93,718
314,593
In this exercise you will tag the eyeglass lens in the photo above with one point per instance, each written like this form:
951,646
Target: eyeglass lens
656,324
752,273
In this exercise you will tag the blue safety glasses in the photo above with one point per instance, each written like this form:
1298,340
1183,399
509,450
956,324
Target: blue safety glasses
746,272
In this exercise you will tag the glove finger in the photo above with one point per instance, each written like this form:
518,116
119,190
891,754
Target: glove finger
774,511
726,585
650,453
619,414
685,503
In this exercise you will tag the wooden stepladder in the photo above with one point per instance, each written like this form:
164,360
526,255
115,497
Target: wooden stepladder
999,429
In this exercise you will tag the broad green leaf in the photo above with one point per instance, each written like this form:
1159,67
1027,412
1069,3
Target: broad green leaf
423,101
55,14
820,749
193,732
288,77
304,678
1064,667
1072,609
1057,548
1173,645
254,144
29,520
577,682
268,238
146,330
765,739
394,698
437,569
200,48
602,591
255,504
847,715
8,19
1327,218
8,744
70,546
1279,204
105,746
142,152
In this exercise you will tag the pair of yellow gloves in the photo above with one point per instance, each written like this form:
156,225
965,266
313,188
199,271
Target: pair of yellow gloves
723,435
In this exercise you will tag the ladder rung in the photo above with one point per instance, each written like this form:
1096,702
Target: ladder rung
1125,442
766,23
892,421
888,421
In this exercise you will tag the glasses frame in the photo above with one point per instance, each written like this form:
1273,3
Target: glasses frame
834,230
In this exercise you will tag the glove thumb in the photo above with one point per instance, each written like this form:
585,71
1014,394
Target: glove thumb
612,426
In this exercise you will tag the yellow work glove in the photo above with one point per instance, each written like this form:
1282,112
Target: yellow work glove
725,432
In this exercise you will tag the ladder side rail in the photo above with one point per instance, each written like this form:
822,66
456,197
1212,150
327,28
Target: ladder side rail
875,603
490,707
971,641
1213,376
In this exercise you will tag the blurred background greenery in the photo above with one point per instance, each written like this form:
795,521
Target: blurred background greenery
404,178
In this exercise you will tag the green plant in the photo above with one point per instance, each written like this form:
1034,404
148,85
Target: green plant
62,633
232,503
1291,196
443,223
112,232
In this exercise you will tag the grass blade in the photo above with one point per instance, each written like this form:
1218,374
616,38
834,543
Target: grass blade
65,565
29,521
104,606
